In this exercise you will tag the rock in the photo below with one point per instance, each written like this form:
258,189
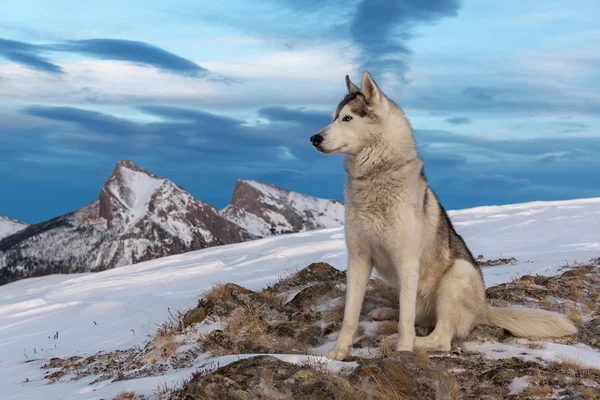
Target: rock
266,377
315,273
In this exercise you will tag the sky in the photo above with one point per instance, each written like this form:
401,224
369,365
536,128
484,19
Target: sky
504,97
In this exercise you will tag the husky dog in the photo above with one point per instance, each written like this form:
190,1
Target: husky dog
395,223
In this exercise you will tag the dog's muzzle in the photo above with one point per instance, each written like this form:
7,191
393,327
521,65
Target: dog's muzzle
316,140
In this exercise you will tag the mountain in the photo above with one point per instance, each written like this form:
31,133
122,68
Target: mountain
264,209
138,216
8,226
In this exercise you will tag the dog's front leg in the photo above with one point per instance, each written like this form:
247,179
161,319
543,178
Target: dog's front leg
357,279
407,269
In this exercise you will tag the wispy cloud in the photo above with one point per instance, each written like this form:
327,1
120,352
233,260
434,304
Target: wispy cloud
141,53
458,121
28,55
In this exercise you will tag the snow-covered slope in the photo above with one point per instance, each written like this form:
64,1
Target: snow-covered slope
264,210
119,308
8,226
138,216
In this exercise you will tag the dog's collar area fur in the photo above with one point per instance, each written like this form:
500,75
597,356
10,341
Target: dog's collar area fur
378,169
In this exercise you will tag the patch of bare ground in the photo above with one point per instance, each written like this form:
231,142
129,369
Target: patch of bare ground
494,262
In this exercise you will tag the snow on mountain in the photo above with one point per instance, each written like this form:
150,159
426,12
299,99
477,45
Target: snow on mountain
138,216
264,209
8,226
119,308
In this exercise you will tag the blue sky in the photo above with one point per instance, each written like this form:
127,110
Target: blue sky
504,97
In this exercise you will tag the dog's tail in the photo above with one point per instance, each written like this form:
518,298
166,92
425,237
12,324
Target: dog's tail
529,322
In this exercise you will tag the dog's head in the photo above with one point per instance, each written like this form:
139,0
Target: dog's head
357,120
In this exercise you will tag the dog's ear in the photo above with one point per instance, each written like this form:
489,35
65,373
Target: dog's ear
352,88
369,89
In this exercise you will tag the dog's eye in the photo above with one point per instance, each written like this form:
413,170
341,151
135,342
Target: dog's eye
347,118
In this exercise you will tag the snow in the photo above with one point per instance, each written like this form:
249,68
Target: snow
138,190
119,308
518,384
552,352
9,226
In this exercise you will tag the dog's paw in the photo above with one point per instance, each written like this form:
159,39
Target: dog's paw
384,314
338,354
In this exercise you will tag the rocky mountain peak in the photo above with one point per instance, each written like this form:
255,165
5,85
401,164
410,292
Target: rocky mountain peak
264,209
127,193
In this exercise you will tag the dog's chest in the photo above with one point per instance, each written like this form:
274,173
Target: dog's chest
376,208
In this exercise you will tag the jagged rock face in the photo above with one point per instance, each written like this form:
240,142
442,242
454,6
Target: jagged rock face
9,226
138,216
264,210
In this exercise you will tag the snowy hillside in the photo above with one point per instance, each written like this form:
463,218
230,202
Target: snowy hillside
264,209
138,216
8,226
80,315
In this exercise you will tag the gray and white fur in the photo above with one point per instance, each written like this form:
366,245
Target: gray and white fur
395,223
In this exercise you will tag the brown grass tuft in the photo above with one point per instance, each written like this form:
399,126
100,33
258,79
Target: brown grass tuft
455,391
127,396
543,391
391,383
217,292
272,298
422,353
536,345
588,393
575,368
575,316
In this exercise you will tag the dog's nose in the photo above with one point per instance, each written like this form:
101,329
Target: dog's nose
316,139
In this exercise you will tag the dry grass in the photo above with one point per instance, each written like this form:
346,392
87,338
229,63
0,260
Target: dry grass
422,353
336,314
272,298
543,391
588,393
127,396
575,316
392,383
455,391
162,347
576,368
536,345
385,291
592,306
247,331
217,292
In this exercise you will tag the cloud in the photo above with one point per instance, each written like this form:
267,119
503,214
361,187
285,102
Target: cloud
382,29
136,52
301,116
522,147
481,94
28,55
569,126
89,120
458,121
